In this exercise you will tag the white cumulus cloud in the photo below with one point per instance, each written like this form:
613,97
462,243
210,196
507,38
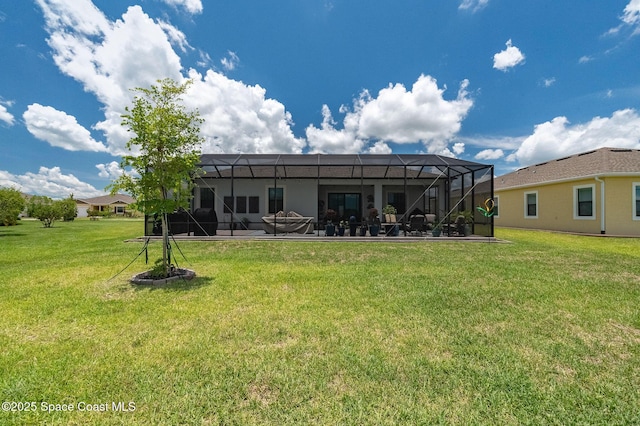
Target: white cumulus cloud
558,138
239,117
396,115
473,5
59,129
6,116
328,139
458,148
175,36
489,154
632,13
630,20
50,182
231,61
508,58
191,6
110,170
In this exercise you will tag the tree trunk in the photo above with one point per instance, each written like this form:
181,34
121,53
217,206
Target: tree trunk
165,244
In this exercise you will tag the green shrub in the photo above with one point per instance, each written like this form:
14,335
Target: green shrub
68,208
44,209
11,205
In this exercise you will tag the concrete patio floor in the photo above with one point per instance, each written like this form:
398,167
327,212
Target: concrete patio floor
260,235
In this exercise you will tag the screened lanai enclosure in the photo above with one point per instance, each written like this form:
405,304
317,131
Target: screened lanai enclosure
245,191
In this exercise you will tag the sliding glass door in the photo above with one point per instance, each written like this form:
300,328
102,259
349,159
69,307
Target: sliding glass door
346,205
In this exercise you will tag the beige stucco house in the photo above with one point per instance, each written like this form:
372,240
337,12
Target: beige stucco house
595,192
117,204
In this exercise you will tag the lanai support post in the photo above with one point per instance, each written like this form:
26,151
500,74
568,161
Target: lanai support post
232,208
404,216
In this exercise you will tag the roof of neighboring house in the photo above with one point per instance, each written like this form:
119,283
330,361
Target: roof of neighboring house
106,200
600,162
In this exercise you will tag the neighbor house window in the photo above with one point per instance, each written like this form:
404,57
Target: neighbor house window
496,206
276,199
584,202
636,201
531,205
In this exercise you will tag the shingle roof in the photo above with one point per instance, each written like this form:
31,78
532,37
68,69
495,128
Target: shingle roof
600,162
109,199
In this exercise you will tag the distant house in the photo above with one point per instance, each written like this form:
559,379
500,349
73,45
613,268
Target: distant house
596,192
117,204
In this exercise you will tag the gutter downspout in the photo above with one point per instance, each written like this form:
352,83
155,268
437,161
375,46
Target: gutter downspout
602,221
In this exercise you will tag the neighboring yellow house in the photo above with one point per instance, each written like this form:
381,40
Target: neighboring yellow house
116,204
596,192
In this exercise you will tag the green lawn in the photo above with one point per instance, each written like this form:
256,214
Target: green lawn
544,330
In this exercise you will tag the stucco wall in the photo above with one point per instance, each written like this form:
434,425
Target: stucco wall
619,206
301,195
556,207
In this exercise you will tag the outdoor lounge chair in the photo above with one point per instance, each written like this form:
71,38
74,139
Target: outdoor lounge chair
417,224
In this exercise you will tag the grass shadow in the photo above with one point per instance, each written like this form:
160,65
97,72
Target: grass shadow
177,285
6,234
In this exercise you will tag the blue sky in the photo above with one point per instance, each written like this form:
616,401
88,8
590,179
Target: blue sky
494,81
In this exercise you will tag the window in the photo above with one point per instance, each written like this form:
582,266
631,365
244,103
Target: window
636,201
276,200
254,204
531,205
496,206
396,199
228,205
206,198
345,205
241,204
584,202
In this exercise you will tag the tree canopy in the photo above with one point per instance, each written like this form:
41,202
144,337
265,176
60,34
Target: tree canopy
164,149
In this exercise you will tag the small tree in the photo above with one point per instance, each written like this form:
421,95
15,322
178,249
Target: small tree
11,205
165,152
68,208
44,209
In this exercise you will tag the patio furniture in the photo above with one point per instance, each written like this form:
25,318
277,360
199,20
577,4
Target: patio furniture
291,223
178,222
206,222
417,224
391,225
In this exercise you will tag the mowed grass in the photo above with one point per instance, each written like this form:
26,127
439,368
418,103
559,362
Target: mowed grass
542,330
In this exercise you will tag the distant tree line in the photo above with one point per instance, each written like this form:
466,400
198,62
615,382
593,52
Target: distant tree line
45,209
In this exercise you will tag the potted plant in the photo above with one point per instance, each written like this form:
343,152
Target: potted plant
353,226
330,228
391,227
341,228
436,231
363,227
463,222
374,222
